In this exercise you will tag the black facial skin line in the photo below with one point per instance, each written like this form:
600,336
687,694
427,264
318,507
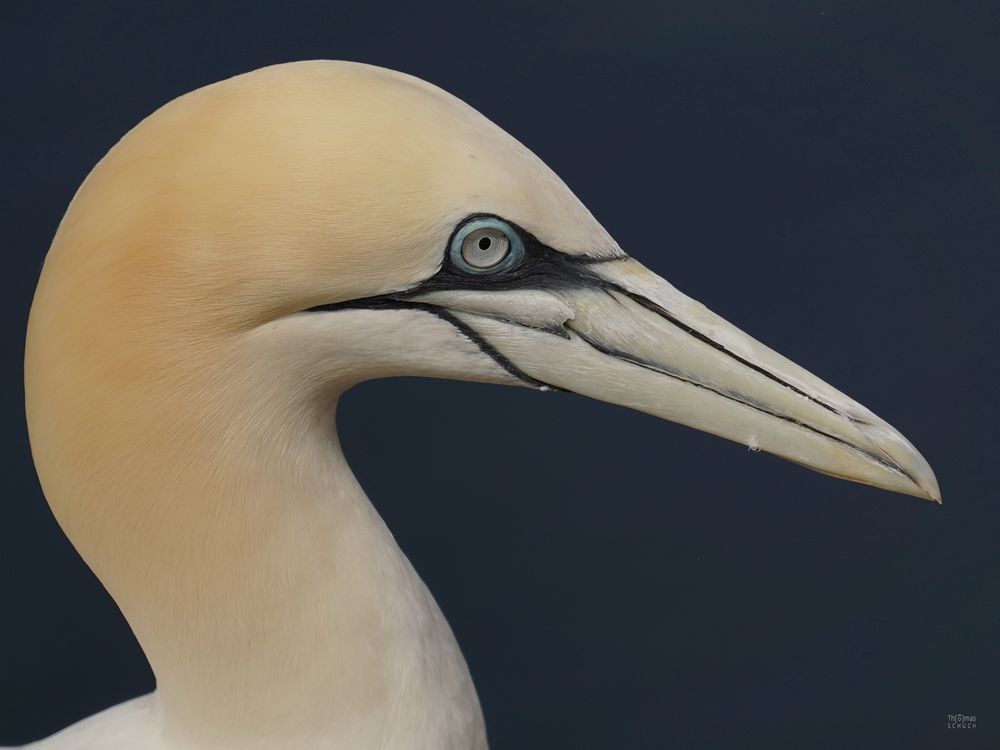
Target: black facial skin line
545,268
542,268
487,348
388,302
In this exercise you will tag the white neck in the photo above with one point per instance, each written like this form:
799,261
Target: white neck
274,605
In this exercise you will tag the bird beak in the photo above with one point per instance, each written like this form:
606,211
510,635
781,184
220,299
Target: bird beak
621,334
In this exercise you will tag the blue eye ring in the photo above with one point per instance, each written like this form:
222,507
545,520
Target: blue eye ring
468,242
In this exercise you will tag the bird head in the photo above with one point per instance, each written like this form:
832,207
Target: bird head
324,223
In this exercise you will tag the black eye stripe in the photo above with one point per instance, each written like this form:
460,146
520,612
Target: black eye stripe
541,267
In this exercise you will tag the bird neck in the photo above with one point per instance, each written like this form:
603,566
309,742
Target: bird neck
312,620
271,600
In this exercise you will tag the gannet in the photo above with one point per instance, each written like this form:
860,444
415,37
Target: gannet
236,262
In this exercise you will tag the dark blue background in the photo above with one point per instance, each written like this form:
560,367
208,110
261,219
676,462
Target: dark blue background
823,174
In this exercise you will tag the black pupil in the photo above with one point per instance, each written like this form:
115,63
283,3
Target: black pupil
484,243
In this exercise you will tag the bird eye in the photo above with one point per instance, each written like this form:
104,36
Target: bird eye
485,246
